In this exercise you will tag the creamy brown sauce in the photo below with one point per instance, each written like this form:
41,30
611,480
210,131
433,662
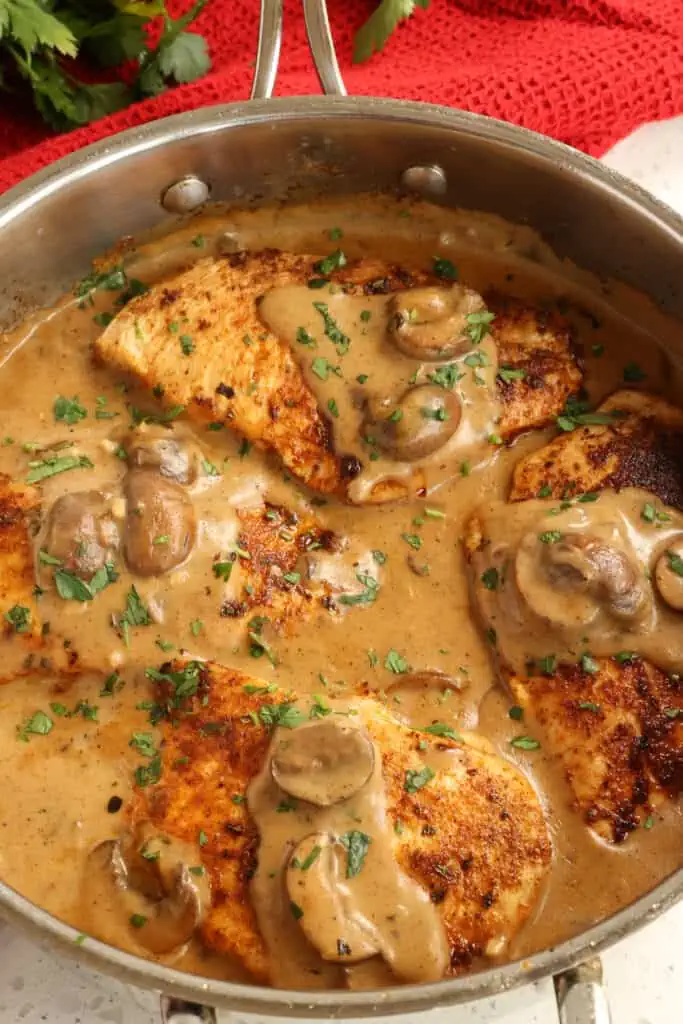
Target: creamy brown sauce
342,884
591,579
56,790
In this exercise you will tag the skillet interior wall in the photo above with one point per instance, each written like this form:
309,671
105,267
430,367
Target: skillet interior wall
51,227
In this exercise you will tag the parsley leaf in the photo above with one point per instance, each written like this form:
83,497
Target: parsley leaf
373,35
68,410
356,845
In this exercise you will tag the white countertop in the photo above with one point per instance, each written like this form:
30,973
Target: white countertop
643,974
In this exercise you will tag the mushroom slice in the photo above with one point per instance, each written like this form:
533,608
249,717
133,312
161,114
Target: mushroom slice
155,448
669,576
431,323
323,762
568,579
423,421
418,698
327,912
154,884
160,523
81,532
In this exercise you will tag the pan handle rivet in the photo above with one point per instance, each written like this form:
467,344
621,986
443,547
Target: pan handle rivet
427,179
185,195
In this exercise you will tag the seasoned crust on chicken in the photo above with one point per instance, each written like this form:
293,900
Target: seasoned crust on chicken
25,647
475,837
538,344
616,733
274,540
615,730
216,301
641,445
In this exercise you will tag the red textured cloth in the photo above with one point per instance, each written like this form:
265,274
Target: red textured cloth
584,71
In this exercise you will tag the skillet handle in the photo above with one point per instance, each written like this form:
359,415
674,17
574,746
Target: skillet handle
581,998
319,39
268,51
322,47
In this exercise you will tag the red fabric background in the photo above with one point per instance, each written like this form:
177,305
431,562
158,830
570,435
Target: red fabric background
584,71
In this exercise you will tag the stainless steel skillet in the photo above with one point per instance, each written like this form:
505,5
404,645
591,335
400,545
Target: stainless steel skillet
250,153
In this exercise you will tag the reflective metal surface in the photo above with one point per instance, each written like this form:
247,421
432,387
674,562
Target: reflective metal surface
294,149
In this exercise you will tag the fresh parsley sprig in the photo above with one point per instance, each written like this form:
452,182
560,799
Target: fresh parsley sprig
41,39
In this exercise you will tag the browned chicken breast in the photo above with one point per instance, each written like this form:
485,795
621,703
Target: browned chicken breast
592,599
200,337
26,645
472,834
632,440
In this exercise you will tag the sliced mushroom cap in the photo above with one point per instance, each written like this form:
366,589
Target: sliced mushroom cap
431,323
422,422
323,762
81,532
330,918
156,448
155,885
568,581
669,576
160,525
418,698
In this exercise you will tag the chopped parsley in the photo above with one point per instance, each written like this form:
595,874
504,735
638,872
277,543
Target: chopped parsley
547,664
507,374
143,742
135,614
309,861
322,368
396,663
335,261
356,845
589,664
441,729
19,618
304,338
148,774
550,537
366,596
675,562
444,268
39,724
525,743
416,780
333,407
516,713
41,469
332,329
633,373
588,705
68,410
413,540
446,376
478,326
186,344
284,716
72,588
490,578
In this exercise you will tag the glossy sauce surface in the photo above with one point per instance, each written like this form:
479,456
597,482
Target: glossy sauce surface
56,789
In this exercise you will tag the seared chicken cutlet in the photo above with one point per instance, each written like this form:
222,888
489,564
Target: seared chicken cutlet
469,831
580,582
249,342
26,645
633,439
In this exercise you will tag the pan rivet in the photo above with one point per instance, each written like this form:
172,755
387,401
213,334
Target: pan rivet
185,195
427,179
